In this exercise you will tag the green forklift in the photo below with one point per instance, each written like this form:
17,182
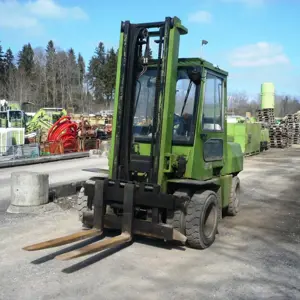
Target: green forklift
172,172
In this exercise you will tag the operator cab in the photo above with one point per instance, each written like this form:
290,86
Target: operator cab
198,115
188,88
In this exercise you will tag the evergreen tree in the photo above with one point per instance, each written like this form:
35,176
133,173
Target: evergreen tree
110,72
72,57
51,73
1,61
9,60
72,67
25,59
8,73
50,55
81,66
96,72
2,74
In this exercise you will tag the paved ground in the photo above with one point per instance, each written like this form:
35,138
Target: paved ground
60,171
255,256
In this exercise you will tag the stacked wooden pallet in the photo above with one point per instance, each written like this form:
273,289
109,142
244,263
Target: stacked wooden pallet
284,134
266,115
277,133
292,123
279,136
296,138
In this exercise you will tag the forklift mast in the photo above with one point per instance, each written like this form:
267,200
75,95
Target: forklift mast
134,60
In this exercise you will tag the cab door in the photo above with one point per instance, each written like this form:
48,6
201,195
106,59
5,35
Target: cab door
213,122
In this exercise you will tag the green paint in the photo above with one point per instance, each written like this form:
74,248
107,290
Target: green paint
234,159
112,159
248,135
226,182
197,168
265,135
267,95
167,103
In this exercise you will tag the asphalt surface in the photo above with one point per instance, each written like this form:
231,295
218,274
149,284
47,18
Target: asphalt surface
256,255
60,171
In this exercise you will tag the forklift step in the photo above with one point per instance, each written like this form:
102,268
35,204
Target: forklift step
64,240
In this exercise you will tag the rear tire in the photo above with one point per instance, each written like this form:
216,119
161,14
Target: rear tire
202,219
234,201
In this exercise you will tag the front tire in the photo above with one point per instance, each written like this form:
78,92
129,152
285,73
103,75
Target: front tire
202,219
82,207
177,218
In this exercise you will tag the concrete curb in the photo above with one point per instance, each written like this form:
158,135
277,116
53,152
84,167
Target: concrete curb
64,189
56,190
39,160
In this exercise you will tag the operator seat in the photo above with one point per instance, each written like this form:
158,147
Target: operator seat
185,124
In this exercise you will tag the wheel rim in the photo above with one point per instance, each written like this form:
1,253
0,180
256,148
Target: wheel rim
210,220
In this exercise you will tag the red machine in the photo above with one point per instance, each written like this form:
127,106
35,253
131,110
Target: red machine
63,134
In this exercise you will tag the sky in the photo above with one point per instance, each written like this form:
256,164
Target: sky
256,41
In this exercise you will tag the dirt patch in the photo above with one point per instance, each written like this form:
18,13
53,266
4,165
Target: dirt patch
255,255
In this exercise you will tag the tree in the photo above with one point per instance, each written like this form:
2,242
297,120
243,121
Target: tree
25,76
25,59
9,75
72,78
102,74
40,85
1,60
51,73
110,72
81,66
96,72
9,60
2,74
72,67
62,65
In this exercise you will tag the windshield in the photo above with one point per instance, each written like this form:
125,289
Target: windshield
15,115
144,104
184,107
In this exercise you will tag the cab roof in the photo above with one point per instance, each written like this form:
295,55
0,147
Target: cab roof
197,62
186,62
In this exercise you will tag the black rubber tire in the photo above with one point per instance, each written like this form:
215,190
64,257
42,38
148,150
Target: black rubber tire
200,204
219,195
82,206
234,200
177,218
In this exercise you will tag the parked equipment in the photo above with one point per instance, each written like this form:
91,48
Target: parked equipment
63,134
44,118
11,116
251,135
173,178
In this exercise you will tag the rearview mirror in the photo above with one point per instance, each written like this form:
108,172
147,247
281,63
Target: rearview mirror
194,76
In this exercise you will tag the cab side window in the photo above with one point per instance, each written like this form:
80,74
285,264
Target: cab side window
185,113
212,119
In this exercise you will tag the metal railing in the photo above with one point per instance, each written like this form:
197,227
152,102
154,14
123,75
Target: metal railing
35,150
19,152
